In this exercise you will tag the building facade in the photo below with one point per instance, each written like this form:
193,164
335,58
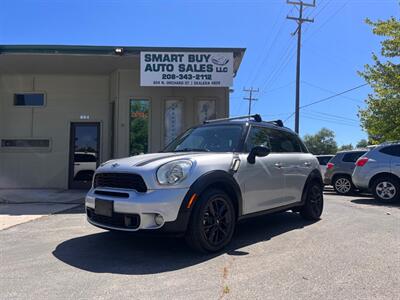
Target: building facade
64,110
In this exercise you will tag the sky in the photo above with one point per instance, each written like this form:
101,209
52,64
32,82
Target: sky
334,47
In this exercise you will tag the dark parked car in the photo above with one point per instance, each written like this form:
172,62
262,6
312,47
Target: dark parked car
339,170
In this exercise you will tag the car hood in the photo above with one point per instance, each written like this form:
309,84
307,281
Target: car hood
154,160
147,164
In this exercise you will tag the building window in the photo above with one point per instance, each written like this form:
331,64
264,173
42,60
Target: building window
173,120
205,110
25,143
29,99
139,126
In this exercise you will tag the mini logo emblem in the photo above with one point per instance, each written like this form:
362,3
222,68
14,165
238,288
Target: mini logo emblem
115,165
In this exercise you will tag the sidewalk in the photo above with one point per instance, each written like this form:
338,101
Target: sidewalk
23,205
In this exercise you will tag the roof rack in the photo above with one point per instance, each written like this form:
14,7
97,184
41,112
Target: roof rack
256,118
276,122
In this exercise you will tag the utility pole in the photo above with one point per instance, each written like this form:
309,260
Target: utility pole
300,20
250,98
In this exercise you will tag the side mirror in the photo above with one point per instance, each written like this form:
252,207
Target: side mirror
259,151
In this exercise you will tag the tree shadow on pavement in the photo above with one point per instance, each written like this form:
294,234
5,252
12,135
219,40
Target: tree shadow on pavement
113,252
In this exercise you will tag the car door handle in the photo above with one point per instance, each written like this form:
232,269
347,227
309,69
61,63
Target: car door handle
307,164
278,165
75,164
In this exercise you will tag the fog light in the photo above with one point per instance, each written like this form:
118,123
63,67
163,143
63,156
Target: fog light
159,220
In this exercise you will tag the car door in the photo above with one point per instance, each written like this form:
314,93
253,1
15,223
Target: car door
262,183
296,162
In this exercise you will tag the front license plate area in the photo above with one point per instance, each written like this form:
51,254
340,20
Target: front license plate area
103,207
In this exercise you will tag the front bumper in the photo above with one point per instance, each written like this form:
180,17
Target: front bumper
133,211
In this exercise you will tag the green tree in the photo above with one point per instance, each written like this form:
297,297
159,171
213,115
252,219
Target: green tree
381,118
346,147
323,142
362,143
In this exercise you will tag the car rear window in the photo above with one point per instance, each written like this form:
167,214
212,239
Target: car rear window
323,160
393,150
353,156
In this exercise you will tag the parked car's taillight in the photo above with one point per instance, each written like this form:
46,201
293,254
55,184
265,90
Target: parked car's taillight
361,161
329,165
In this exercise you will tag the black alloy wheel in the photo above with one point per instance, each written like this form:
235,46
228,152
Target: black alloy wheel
217,221
314,203
212,222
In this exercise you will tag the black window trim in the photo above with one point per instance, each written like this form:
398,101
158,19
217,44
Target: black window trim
30,106
25,148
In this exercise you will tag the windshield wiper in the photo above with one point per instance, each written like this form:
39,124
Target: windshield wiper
192,150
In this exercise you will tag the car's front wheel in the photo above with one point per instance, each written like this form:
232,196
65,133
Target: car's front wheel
314,202
212,222
343,185
386,189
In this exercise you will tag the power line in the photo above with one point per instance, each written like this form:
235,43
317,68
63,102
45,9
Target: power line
334,116
323,24
328,98
300,20
250,98
328,121
329,91
333,96
266,56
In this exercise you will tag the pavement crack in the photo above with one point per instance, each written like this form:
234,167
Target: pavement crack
225,274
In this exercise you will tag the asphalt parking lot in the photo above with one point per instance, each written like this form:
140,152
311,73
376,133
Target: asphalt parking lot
353,252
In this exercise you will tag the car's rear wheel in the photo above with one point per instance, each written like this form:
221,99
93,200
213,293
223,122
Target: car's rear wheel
343,185
386,189
314,202
212,222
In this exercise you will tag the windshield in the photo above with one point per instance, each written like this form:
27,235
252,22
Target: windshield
218,138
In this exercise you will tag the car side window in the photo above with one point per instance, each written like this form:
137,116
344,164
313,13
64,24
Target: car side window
352,156
278,141
391,150
258,136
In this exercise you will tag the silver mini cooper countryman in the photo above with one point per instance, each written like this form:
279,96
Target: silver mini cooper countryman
208,179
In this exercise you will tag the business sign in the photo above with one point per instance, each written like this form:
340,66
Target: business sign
186,69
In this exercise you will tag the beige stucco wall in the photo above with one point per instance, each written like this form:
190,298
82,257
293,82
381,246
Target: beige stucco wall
67,98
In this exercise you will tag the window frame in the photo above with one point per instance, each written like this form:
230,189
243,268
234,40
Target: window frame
30,106
27,148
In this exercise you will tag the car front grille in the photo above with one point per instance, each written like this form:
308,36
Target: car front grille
120,180
128,221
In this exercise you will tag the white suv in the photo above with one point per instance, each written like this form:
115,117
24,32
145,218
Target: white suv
206,180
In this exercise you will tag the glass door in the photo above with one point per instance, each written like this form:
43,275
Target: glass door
84,154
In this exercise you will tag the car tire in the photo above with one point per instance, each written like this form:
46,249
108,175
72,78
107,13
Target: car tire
314,201
212,222
343,185
386,189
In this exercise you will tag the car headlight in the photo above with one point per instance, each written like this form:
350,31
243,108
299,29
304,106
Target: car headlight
173,172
